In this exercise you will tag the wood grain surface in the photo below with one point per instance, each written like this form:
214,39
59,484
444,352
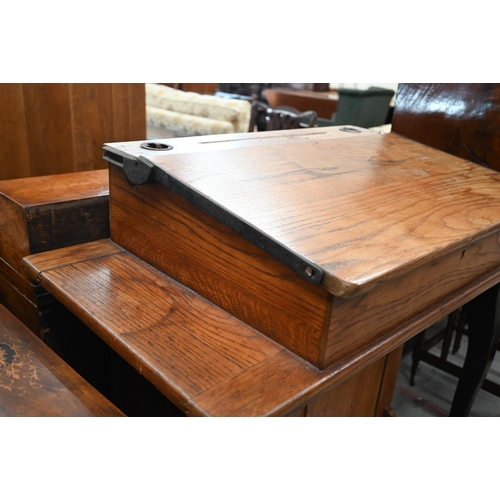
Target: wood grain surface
34,382
202,358
460,118
396,227
163,229
365,209
57,127
48,212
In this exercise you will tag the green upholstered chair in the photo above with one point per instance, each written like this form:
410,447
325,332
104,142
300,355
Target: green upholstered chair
362,108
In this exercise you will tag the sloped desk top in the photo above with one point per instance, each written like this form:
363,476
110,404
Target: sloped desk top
353,209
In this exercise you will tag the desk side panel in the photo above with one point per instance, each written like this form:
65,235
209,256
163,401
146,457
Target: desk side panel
364,318
166,231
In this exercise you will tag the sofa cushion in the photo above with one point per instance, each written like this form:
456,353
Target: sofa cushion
236,112
186,125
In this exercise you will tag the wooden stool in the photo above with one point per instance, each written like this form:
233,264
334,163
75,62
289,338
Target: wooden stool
35,382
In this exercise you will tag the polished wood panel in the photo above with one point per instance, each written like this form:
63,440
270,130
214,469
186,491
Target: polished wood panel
382,216
57,128
168,332
364,208
357,397
460,118
368,393
47,212
42,213
324,103
211,259
34,382
389,304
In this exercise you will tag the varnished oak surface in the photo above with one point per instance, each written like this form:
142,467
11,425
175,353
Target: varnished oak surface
202,358
34,382
364,208
49,189
53,128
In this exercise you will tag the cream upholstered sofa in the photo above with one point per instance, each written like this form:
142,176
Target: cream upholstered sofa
188,113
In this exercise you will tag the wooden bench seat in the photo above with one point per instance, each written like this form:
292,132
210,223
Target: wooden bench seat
202,358
35,382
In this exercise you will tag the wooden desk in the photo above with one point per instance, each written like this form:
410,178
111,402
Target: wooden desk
324,103
257,274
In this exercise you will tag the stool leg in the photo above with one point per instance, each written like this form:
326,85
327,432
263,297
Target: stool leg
460,329
484,333
448,334
416,355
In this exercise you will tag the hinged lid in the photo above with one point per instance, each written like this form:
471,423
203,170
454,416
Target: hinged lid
343,207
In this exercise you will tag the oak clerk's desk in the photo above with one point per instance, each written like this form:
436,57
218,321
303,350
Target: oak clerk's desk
255,274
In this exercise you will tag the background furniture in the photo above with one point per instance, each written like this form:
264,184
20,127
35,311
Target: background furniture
40,214
362,108
324,103
245,91
56,128
264,117
188,113
464,120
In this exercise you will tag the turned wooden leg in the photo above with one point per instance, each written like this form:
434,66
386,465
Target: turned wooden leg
484,333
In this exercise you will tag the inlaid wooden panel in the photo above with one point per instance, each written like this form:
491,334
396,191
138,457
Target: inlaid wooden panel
34,382
57,128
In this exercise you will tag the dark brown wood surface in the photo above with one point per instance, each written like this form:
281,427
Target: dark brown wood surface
56,127
47,212
202,358
20,296
460,118
324,103
34,382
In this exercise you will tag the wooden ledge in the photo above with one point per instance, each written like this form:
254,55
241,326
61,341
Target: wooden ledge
202,358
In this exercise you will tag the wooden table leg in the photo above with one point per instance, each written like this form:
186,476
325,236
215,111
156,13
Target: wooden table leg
484,334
